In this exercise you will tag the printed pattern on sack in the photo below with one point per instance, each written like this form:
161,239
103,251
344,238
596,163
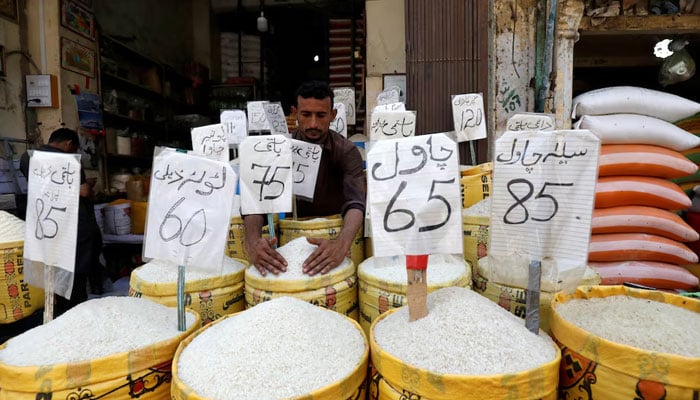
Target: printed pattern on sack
233,300
387,301
17,289
206,307
575,372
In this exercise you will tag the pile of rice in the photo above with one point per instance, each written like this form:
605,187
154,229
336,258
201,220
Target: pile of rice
295,252
11,228
480,209
442,268
160,271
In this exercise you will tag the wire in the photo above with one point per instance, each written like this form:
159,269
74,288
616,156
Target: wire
27,56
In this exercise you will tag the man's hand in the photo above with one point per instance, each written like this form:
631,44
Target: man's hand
328,255
264,256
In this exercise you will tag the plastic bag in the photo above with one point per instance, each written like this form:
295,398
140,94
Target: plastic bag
679,67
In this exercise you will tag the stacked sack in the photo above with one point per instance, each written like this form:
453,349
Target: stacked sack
691,185
636,236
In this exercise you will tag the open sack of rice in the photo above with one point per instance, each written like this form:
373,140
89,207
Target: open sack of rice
335,290
113,347
212,292
283,348
624,343
467,347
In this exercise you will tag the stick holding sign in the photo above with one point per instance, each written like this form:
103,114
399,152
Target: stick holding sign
468,118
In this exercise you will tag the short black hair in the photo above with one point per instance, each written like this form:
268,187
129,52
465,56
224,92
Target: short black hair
314,89
64,134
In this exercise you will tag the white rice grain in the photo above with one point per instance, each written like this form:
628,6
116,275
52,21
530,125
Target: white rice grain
94,329
442,268
464,334
281,348
11,228
641,323
160,271
480,209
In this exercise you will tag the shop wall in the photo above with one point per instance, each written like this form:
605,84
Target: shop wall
12,123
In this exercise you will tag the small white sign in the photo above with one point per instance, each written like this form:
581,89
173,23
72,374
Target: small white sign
390,107
189,209
276,118
266,175
531,122
340,124
468,116
306,158
257,119
346,96
211,141
236,125
415,202
389,96
51,227
392,125
543,194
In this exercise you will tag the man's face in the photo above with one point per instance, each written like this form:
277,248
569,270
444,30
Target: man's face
314,117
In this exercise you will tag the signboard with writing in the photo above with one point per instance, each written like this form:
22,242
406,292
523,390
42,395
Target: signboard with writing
389,96
392,125
275,118
189,209
257,119
468,116
390,107
531,122
266,175
306,158
340,124
51,227
235,124
414,201
543,193
210,141
346,96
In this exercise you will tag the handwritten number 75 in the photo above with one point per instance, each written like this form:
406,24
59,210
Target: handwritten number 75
521,200
46,227
269,181
412,217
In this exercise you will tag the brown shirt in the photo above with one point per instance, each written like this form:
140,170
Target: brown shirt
340,185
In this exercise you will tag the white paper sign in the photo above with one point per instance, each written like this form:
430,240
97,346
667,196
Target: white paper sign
189,209
531,122
266,175
211,141
236,125
51,227
276,119
415,202
389,96
346,96
468,116
306,158
543,193
340,124
257,119
392,125
390,107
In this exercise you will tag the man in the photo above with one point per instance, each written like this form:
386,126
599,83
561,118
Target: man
89,240
340,188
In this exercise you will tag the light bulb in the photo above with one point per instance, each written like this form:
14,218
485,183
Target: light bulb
262,22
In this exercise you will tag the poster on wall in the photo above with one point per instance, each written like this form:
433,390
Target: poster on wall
78,19
8,9
77,58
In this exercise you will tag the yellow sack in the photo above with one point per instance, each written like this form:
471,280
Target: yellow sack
415,383
475,230
475,183
144,373
235,243
322,228
212,298
18,299
352,388
611,371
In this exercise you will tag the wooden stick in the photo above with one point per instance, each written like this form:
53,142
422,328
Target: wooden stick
417,291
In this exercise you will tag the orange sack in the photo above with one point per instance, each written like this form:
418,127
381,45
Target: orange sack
643,160
613,191
638,247
642,219
648,273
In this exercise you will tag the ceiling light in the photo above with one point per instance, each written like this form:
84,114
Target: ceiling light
262,22
661,49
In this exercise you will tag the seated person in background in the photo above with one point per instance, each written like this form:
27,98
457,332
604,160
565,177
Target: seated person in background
340,188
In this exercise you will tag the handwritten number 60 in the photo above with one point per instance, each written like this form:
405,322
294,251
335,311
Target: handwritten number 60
412,216
520,201
45,224
186,239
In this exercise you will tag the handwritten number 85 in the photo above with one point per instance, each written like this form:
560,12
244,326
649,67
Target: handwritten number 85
520,201
389,209
185,239
45,227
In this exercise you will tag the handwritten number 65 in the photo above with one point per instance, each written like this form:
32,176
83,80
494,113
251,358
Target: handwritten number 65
520,201
412,216
185,234
46,227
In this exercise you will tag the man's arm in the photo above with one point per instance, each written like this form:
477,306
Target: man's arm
261,250
330,253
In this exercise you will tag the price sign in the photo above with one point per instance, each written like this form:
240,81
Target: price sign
276,119
389,95
257,119
51,227
210,141
347,97
468,116
266,175
414,201
390,107
531,122
306,158
392,125
189,209
340,123
543,193
235,124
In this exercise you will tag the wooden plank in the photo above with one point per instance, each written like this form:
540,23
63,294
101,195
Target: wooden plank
647,24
